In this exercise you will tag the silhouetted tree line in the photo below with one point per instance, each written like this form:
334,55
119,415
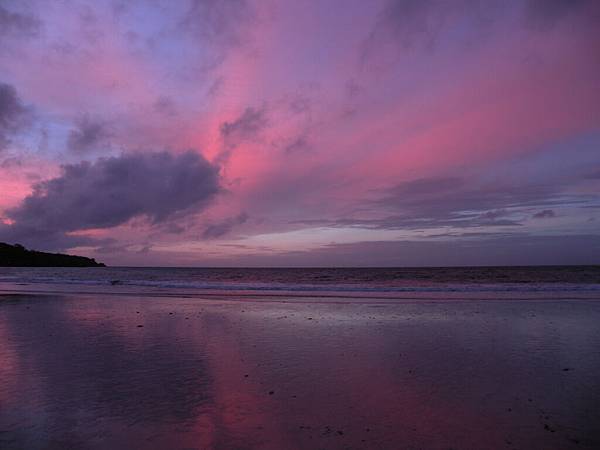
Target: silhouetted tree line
18,256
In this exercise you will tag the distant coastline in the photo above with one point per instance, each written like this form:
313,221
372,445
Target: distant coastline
18,256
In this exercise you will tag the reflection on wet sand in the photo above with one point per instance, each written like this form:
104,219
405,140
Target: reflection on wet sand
112,372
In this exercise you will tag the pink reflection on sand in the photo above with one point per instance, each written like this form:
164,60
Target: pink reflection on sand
185,372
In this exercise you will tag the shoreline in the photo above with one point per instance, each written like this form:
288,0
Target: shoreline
307,298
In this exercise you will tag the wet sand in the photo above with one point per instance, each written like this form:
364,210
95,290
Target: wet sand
121,372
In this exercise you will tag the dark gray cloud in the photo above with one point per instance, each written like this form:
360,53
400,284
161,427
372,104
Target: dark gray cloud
10,162
413,24
414,20
166,106
546,13
110,192
220,21
299,144
16,23
422,24
247,126
223,227
300,103
545,214
88,134
13,113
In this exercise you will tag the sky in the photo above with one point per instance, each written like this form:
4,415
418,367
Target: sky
311,133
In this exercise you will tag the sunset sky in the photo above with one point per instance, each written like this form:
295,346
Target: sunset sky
302,133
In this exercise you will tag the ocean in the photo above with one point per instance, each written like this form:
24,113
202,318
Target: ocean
385,283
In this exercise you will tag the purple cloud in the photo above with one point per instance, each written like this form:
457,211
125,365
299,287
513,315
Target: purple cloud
545,214
17,23
223,227
247,126
219,21
111,191
89,134
13,113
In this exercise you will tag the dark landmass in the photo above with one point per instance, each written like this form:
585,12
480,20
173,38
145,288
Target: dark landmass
19,256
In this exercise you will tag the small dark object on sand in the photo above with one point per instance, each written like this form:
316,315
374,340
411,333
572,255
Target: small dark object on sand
140,326
271,392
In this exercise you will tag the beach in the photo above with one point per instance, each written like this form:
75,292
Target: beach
115,369
299,225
